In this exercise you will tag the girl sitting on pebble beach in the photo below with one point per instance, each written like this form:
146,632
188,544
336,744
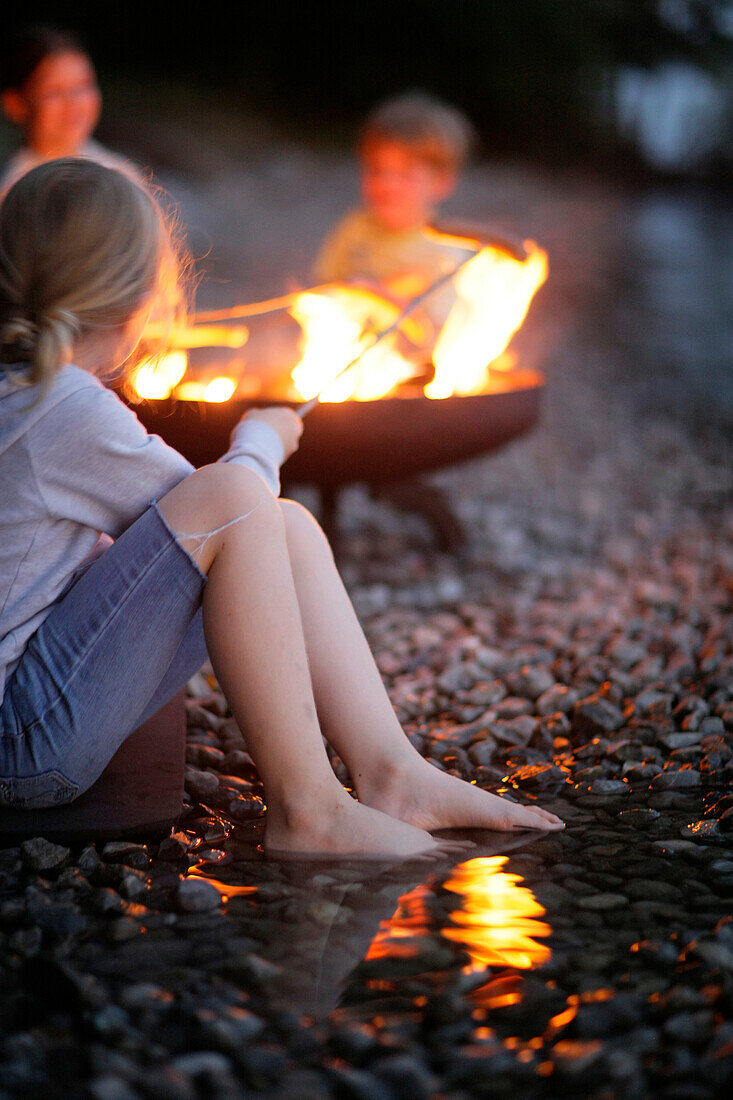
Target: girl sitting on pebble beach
122,568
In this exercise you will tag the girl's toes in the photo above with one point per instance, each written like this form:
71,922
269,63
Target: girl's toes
532,817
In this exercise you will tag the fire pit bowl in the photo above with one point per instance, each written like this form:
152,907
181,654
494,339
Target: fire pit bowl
364,441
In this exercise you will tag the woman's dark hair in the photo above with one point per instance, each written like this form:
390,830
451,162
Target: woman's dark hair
24,51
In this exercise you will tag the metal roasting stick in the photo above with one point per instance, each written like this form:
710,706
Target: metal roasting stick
305,408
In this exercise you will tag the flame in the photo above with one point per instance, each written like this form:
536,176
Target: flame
337,327
156,378
217,390
493,288
495,924
197,336
494,291
159,376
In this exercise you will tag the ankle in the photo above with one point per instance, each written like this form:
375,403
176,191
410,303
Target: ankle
388,771
299,810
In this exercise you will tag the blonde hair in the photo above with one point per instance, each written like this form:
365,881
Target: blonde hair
430,129
83,248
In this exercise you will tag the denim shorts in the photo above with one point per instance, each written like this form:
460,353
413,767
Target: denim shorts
116,646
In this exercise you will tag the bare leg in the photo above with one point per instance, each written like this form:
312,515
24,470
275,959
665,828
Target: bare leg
356,714
255,639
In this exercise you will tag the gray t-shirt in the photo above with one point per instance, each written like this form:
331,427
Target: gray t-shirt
76,469
24,159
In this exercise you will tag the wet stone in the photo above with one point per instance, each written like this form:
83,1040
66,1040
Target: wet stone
701,830
609,787
201,785
111,1087
40,854
681,780
603,902
174,846
691,1028
89,861
121,851
595,715
679,740
538,775
194,895
512,707
26,941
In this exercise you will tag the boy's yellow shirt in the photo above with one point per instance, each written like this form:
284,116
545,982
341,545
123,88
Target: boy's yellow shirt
404,264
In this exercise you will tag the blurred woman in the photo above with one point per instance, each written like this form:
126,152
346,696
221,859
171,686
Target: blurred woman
49,91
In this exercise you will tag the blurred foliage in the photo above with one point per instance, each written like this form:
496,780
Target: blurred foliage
527,72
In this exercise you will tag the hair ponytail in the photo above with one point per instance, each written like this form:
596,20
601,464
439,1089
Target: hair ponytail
57,331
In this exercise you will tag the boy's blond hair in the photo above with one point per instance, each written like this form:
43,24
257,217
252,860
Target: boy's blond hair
432,130
83,248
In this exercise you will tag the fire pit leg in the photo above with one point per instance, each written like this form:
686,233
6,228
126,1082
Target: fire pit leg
431,503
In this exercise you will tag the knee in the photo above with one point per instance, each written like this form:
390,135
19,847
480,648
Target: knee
214,496
300,524
223,491
234,488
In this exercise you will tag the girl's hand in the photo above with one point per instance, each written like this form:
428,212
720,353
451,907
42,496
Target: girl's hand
286,423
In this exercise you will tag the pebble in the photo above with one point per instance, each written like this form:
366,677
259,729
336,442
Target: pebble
680,780
194,895
201,785
174,846
602,902
122,851
595,715
40,854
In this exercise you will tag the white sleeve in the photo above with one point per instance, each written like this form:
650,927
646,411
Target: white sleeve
258,446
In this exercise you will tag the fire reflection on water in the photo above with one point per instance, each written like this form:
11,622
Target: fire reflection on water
327,933
495,921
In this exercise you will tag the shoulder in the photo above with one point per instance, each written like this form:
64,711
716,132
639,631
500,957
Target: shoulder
17,165
77,402
94,150
352,226
340,253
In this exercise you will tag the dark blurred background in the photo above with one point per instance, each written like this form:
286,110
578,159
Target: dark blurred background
629,85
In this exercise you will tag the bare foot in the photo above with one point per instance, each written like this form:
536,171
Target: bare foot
343,827
419,793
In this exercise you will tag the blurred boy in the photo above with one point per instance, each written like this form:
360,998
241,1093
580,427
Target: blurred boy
410,150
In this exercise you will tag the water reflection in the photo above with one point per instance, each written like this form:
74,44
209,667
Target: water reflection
363,930
495,921
673,302
497,917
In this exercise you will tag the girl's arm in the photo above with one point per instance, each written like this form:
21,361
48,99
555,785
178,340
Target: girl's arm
96,464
